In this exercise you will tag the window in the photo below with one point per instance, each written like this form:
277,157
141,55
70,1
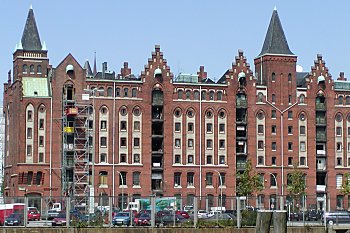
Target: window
339,146
103,158
179,94
339,131
39,176
177,179
209,159
302,161
103,125
136,158
188,94
289,77
117,92
190,113
209,114
41,157
134,92
136,126
122,141
190,143
211,95
260,129
209,127
29,115
290,99
290,114
123,125
290,145
290,129
273,77
177,159
109,92
101,91
273,178
29,132
273,114
273,98
24,68
190,179
273,160
29,150
190,127
302,99
339,161
196,95
103,178
123,158
302,130
41,140
136,178
260,145
221,128
190,159
209,144
340,100
177,143
122,178
41,123
219,95
222,144
31,69
203,95
222,182
302,146
126,90
260,97
260,160
29,178
273,146
177,127
136,142
123,111
340,202
290,161
347,102
273,129
103,141
339,181
209,179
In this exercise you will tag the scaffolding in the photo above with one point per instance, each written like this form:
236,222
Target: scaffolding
77,149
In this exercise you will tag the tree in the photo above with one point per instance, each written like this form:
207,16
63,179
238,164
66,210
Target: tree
345,187
249,181
296,184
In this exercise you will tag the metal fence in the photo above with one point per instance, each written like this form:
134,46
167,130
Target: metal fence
154,211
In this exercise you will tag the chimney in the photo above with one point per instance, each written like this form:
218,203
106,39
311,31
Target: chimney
9,79
341,76
125,71
201,74
104,69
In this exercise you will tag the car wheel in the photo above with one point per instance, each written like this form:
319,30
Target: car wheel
330,222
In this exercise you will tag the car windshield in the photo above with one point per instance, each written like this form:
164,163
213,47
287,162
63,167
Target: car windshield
13,216
123,214
144,215
61,215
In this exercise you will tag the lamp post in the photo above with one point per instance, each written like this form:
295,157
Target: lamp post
220,188
273,175
122,181
282,147
92,179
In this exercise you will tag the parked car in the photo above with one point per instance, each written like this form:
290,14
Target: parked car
313,215
60,220
121,218
221,216
51,214
33,214
337,217
168,220
202,214
183,214
14,219
143,219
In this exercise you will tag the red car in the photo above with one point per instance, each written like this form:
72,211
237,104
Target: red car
183,214
33,214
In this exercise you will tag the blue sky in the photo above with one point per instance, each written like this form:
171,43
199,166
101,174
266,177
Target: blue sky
190,33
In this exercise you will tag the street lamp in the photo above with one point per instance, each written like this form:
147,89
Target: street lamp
273,175
122,181
282,147
220,188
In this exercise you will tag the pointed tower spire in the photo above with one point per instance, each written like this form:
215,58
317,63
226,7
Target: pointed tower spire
275,40
88,70
95,68
30,38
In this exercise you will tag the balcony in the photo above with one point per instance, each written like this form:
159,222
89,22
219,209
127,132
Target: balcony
321,106
321,188
241,103
321,121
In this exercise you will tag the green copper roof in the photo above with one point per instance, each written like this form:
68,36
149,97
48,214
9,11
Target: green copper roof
35,87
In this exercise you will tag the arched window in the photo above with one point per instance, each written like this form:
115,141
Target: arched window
219,95
289,77
260,97
347,100
340,100
126,90
273,98
134,92
179,94
38,69
110,92
188,94
101,91
24,69
204,95
196,95
211,95
117,92
302,99
273,77
31,69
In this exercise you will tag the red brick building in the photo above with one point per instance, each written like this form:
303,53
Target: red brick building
69,128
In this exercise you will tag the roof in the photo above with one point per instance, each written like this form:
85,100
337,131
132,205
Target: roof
35,87
30,38
87,67
301,79
107,75
275,40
